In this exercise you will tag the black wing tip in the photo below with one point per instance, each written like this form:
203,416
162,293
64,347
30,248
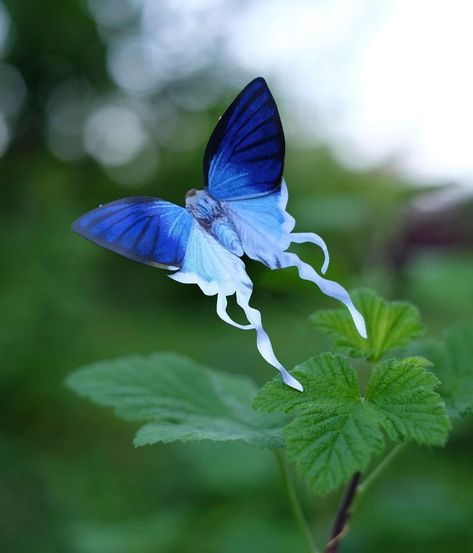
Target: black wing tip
259,79
257,83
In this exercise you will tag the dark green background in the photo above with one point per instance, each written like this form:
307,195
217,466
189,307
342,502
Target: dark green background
70,479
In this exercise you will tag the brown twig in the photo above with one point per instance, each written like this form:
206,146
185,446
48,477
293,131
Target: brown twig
340,528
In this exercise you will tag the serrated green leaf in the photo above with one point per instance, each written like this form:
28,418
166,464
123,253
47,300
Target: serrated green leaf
333,434
328,378
407,405
336,431
329,444
453,363
389,325
179,400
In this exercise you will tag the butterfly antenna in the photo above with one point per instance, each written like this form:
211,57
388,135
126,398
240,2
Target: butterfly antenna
263,342
303,237
328,287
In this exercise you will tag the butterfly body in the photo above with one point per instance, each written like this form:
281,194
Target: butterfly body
214,219
241,210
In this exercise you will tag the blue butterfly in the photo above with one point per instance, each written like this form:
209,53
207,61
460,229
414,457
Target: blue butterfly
241,210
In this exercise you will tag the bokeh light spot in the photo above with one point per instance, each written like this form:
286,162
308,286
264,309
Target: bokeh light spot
67,109
112,13
139,171
12,90
4,135
114,135
130,64
4,29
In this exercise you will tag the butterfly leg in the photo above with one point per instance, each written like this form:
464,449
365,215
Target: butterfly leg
263,342
302,237
328,287
222,313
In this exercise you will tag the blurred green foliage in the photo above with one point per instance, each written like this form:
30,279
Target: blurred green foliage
70,481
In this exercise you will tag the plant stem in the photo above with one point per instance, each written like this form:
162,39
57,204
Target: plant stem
294,503
374,474
343,514
352,492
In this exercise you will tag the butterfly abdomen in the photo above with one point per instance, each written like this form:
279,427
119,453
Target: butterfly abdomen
211,215
224,232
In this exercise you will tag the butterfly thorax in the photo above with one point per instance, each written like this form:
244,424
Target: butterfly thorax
212,216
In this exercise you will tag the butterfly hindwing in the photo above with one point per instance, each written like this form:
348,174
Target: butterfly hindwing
210,265
145,229
244,157
262,224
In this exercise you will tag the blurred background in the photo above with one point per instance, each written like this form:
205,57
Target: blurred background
101,99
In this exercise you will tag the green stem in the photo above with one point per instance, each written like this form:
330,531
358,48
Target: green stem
294,502
374,474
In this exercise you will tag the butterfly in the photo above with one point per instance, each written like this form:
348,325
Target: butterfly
241,210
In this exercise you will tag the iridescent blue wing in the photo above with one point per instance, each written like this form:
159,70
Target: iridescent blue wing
142,228
245,154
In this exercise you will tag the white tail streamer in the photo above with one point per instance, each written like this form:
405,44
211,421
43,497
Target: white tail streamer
302,237
263,343
328,287
222,313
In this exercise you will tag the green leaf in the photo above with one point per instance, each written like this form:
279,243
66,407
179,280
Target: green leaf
179,400
407,405
329,444
333,434
455,370
336,431
389,325
328,378
453,363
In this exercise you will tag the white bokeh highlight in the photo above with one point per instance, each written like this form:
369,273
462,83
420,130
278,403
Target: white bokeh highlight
383,83
4,135
114,135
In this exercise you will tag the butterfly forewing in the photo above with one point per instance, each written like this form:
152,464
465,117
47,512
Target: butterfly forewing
142,228
244,157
